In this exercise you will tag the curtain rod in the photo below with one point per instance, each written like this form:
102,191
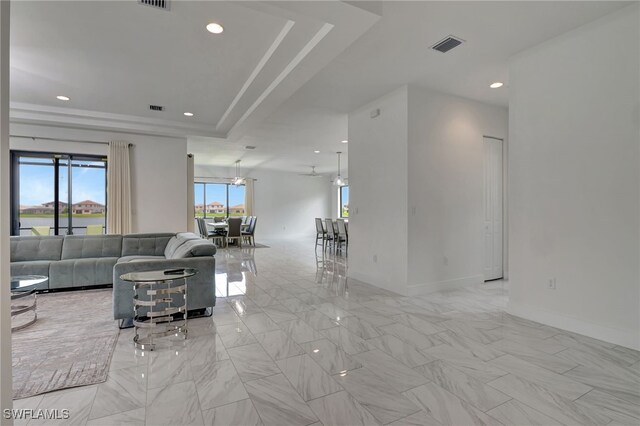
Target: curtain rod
220,178
61,140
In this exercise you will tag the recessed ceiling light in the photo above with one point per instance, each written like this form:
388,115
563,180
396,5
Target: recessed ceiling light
215,28
63,98
316,152
188,114
496,85
345,141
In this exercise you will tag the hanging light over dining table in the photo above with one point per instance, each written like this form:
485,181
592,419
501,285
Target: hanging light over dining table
339,180
237,180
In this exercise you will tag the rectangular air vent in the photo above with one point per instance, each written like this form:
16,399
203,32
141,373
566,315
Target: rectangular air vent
447,44
158,4
156,108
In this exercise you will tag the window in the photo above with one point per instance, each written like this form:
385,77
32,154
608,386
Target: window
57,194
218,200
344,201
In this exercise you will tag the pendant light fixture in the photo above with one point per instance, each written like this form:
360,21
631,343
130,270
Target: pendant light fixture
238,180
339,181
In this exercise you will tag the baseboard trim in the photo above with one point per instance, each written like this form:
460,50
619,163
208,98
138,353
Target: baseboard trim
432,287
626,338
375,282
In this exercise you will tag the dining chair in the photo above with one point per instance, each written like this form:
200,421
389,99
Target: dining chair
320,233
342,236
331,234
245,229
213,235
234,230
249,233
218,219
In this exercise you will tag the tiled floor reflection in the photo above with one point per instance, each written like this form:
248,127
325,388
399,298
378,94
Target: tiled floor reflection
294,342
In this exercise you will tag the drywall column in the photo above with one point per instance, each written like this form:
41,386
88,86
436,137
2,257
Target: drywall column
446,169
6,394
574,177
378,229
416,162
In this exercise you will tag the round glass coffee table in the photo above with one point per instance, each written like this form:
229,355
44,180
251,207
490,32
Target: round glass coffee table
23,299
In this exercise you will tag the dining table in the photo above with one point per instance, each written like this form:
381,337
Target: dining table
218,225
223,225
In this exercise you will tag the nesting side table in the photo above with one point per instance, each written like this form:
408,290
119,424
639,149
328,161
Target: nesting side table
158,298
23,290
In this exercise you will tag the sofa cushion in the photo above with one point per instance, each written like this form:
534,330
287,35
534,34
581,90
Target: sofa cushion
145,244
81,272
91,246
194,248
36,248
126,259
177,241
33,267
203,248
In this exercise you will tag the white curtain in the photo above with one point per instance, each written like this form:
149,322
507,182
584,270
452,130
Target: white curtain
248,197
118,189
191,198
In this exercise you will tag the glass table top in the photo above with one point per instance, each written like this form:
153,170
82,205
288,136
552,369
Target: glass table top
161,275
23,282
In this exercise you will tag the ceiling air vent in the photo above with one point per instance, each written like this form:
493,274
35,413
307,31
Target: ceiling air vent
158,4
156,108
447,44
249,147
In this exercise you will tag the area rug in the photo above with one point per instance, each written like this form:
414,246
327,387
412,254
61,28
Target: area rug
70,345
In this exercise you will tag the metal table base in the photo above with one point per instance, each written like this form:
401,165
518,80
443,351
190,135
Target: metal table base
159,320
26,306
159,304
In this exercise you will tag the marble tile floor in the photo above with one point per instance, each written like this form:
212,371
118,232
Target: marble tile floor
300,344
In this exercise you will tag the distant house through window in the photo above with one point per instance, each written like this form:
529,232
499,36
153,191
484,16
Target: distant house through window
344,201
57,194
218,200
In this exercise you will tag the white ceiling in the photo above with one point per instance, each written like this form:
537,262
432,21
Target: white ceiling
284,89
115,58
396,50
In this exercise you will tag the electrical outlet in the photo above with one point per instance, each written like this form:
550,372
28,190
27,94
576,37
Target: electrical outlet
445,261
551,283
375,258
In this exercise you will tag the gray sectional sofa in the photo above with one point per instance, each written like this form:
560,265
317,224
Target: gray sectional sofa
85,261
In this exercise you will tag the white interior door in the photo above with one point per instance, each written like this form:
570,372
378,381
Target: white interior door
492,208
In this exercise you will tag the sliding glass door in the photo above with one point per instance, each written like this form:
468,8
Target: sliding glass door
57,194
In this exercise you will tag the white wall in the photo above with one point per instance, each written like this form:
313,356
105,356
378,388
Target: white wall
158,170
446,163
285,203
378,192
6,363
416,176
574,161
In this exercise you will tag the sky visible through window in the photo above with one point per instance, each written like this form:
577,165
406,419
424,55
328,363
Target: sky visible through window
218,192
344,195
36,184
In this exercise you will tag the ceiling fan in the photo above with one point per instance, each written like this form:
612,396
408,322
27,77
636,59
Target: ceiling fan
312,174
